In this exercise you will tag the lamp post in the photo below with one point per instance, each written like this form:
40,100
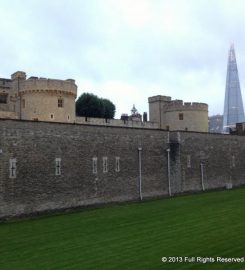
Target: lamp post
169,183
140,180
201,166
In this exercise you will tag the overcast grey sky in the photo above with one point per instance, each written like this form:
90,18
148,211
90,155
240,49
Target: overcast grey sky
127,50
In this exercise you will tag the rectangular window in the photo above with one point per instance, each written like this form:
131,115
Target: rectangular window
117,169
23,103
60,102
188,161
94,162
58,166
12,168
3,98
105,165
181,116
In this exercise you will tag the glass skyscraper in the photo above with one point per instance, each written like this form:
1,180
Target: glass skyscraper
233,108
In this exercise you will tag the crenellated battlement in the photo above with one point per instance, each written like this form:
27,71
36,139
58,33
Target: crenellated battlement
35,84
179,105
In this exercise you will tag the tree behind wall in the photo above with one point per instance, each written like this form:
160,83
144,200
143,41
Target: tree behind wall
89,105
110,109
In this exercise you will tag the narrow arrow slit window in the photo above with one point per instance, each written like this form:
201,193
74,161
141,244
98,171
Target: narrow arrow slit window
12,168
58,166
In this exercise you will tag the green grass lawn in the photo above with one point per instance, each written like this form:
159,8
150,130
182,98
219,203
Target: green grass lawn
133,236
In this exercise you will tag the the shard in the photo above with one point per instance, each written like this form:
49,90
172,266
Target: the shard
233,108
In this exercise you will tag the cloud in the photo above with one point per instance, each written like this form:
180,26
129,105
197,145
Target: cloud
112,89
127,50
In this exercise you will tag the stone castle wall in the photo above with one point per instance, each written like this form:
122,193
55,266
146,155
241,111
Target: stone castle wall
36,145
222,158
31,184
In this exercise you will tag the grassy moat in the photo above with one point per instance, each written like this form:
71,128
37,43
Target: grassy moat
133,236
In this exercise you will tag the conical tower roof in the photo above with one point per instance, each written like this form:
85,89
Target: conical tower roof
233,108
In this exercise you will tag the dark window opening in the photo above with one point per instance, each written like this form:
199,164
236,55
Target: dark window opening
181,116
60,103
3,98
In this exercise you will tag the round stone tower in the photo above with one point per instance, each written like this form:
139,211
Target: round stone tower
44,99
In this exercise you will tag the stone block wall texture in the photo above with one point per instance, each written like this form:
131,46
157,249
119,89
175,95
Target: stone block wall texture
36,145
222,156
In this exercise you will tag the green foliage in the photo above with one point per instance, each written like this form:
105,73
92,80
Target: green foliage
110,109
89,105
134,236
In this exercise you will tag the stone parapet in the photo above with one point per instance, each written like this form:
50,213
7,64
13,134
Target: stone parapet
116,122
35,84
159,98
8,115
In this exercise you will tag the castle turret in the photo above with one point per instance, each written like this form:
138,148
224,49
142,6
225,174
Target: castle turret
176,115
48,99
37,98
